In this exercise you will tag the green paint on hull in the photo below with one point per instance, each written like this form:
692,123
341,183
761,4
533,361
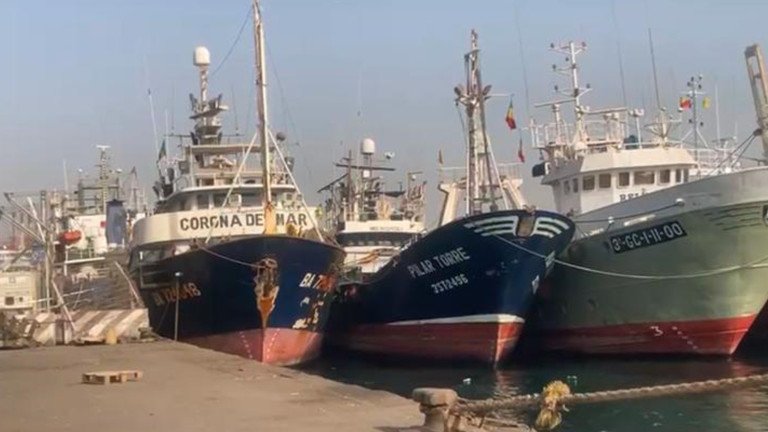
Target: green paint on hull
717,238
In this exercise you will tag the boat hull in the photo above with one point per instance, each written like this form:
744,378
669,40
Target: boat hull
459,293
481,342
697,287
266,298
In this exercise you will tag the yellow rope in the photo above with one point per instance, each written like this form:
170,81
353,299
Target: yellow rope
549,416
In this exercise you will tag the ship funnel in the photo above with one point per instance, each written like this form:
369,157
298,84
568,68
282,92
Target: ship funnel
201,57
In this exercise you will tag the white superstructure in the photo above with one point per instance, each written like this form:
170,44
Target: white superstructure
599,158
372,224
219,186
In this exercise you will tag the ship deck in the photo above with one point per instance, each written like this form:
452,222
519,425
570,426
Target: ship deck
184,388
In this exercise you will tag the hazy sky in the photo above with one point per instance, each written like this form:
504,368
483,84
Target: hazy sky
75,74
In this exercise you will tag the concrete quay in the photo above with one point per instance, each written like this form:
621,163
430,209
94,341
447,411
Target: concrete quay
183,388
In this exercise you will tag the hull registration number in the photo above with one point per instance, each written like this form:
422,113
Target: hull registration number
647,237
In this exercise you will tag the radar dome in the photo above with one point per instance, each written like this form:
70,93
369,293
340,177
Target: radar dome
367,147
201,57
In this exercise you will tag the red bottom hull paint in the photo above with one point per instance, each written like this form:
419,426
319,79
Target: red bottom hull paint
481,342
708,337
277,346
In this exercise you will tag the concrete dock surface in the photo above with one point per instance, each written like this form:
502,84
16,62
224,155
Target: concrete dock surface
184,388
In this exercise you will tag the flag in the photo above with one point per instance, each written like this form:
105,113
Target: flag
510,118
685,102
706,103
440,157
520,154
163,153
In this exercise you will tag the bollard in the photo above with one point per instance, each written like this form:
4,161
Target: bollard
435,404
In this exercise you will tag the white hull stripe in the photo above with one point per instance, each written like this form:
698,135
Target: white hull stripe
562,224
498,232
484,318
508,219
495,226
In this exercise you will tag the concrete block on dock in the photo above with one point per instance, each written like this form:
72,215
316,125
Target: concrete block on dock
90,325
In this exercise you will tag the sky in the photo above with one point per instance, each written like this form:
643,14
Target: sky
76,74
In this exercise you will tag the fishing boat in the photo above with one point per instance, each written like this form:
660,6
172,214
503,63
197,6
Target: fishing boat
232,258
461,291
371,223
670,252
76,238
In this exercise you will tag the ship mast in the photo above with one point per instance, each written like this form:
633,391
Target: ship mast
473,98
756,71
261,104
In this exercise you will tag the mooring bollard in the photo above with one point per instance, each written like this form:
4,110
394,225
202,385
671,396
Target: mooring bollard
435,403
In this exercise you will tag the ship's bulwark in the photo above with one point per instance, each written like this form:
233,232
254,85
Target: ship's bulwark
585,312
459,293
262,297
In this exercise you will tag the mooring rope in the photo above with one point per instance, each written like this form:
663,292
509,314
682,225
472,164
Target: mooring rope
707,273
483,407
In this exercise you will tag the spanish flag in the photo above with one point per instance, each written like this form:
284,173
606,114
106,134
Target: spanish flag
510,118
706,103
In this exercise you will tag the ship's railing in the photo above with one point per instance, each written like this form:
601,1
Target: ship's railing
509,170
595,132
714,161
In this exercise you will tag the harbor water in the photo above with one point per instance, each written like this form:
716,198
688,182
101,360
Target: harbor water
742,410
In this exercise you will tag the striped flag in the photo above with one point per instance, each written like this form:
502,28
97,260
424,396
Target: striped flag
510,117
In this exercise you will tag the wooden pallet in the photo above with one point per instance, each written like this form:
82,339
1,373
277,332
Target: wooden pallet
109,377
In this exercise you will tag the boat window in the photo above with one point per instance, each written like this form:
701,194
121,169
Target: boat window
202,202
567,185
575,185
664,176
186,203
235,200
250,199
588,183
395,239
644,177
623,179
605,181
218,200
678,176
685,175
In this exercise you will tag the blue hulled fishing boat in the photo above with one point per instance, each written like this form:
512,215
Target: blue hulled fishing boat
232,259
463,290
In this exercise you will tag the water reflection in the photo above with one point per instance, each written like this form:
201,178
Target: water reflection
743,410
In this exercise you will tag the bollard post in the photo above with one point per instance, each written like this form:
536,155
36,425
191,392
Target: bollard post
435,403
